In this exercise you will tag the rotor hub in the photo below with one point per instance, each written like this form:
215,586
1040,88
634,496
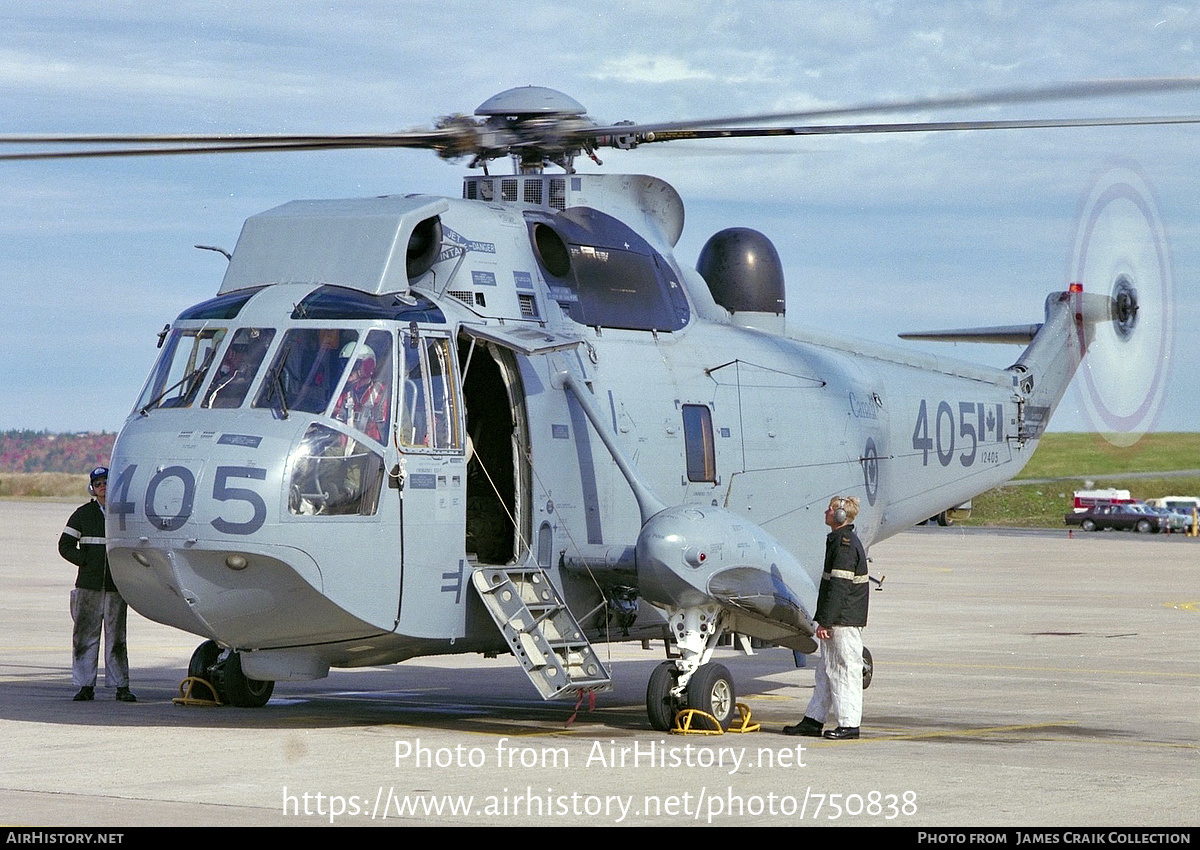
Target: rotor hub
535,125
529,101
1125,306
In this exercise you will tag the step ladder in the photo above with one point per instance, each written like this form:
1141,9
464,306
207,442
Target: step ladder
541,631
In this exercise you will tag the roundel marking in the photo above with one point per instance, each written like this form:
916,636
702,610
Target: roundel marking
870,465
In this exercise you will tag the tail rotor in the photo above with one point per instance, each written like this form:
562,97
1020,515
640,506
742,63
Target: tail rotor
1121,251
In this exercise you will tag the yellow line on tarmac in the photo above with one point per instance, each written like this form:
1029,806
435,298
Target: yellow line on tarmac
984,730
957,733
1034,669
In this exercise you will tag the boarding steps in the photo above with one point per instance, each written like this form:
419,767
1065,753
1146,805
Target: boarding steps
540,630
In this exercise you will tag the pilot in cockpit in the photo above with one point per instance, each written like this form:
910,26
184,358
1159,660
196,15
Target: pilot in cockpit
237,369
363,403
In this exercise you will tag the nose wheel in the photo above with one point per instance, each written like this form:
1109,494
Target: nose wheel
711,691
223,670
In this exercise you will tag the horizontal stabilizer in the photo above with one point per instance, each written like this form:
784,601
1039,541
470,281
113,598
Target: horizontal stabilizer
1007,334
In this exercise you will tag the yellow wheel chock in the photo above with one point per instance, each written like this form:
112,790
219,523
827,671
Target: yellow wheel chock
188,693
685,718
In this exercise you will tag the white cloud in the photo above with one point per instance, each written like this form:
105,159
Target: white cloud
635,68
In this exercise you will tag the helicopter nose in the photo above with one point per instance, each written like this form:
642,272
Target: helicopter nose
189,528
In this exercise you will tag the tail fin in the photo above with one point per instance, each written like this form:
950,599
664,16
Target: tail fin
1054,348
1045,368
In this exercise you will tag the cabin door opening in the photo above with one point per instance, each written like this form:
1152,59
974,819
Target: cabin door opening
497,476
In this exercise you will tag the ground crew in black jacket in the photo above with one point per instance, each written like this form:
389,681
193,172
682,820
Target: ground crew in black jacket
95,602
840,617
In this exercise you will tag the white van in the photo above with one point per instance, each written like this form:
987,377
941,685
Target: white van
1180,504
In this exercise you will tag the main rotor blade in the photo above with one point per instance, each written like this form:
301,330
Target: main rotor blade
913,127
448,142
456,136
1038,94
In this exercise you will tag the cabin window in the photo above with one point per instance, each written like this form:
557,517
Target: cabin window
333,474
238,367
429,415
181,368
698,443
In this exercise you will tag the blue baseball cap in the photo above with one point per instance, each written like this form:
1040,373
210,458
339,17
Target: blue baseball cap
100,473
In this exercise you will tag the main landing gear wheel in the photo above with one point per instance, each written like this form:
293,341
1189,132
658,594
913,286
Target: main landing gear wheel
660,705
711,691
868,668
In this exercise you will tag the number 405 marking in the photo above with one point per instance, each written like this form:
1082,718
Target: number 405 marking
977,422
121,506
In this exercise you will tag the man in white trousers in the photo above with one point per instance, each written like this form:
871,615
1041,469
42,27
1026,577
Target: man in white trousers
840,617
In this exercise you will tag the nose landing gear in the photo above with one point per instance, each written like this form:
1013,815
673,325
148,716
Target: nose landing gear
222,669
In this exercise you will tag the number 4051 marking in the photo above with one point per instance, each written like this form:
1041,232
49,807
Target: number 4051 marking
977,422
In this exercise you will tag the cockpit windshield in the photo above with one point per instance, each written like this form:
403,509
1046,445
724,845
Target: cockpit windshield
330,370
238,367
341,373
181,368
366,398
307,370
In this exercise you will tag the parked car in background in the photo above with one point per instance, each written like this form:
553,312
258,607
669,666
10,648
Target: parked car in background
1122,517
952,515
1175,520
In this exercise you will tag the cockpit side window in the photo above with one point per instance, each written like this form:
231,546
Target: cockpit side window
365,401
238,367
333,475
181,368
307,370
429,415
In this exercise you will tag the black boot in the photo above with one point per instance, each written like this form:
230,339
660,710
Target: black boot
86,693
124,695
842,733
807,727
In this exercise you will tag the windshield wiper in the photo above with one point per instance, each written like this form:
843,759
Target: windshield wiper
277,382
197,373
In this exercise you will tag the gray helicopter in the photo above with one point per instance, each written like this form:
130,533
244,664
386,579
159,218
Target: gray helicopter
515,422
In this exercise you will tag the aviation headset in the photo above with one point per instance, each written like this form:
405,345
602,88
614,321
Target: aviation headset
100,473
840,516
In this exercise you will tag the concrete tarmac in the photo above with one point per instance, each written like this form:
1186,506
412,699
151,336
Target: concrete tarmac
1022,679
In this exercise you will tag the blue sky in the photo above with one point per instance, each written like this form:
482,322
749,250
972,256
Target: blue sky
878,234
